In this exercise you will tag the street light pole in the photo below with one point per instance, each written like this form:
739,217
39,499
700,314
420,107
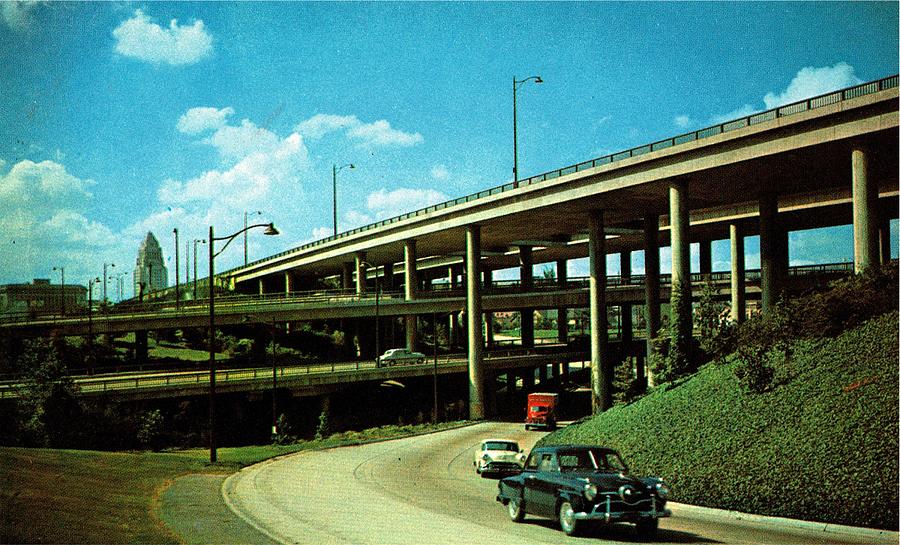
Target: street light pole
516,85
334,170
177,295
274,385
62,288
201,241
104,280
270,230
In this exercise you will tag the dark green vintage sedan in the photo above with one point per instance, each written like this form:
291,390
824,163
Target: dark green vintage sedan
577,483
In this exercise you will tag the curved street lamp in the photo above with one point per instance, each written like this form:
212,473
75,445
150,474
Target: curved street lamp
258,213
334,171
516,84
270,230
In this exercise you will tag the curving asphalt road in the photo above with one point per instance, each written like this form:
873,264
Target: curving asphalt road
424,490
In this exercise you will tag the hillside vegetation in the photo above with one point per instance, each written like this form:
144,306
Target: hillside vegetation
821,443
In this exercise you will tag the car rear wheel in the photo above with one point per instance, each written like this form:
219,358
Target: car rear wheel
516,510
646,528
567,520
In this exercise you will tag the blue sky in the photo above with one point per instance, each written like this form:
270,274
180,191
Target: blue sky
122,118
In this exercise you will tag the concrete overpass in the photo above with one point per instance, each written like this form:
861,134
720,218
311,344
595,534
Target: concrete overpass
826,161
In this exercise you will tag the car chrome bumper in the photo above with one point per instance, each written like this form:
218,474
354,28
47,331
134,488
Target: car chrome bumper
603,512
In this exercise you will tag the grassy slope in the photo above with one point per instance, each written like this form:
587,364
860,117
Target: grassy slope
66,496
822,445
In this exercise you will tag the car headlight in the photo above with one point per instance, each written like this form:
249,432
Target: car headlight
662,490
485,457
590,491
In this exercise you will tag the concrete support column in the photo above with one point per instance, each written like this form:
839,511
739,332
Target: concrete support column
287,283
542,374
738,277
651,284
680,315
706,258
473,315
865,213
453,331
411,280
488,276
347,275
387,276
526,276
601,366
770,277
360,273
528,379
562,313
625,315
262,286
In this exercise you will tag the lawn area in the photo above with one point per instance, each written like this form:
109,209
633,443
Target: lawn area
67,496
821,445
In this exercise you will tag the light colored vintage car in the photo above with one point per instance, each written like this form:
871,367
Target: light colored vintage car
400,356
498,456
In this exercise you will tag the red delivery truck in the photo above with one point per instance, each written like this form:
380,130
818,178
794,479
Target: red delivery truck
541,411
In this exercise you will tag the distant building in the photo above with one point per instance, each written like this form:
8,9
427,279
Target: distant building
42,297
150,272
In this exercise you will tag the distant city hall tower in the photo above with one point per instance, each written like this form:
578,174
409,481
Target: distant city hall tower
150,270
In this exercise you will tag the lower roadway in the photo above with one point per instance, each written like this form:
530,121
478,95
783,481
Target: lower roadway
424,490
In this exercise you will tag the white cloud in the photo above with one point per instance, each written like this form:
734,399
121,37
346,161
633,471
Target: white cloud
808,82
811,81
375,134
386,204
237,142
321,232
141,38
439,172
197,120
380,133
321,124
17,14
353,219
682,121
41,186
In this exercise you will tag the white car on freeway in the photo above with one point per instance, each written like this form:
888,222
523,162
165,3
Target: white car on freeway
499,456
399,356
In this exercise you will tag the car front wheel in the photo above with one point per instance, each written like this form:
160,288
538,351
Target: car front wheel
516,510
567,520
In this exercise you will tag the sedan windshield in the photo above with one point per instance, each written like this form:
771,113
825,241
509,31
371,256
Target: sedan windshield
501,445
591,460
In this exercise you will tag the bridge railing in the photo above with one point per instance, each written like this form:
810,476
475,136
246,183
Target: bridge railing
889,82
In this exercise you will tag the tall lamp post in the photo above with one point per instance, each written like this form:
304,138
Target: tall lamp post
334,172
258,213
270,230
201,241
91,283
177,295
62,288
104,280
516,84
377,313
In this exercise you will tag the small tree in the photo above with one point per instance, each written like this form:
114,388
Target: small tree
48,404
323,429
150,429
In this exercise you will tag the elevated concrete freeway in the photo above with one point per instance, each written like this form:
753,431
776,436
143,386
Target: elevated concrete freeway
301,380
300,307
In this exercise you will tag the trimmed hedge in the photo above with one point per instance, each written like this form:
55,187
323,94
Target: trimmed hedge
821,445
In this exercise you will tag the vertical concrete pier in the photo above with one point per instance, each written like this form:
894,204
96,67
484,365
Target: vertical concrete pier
526,281
411,287
865,213
651,285
738,277
473,317
601,367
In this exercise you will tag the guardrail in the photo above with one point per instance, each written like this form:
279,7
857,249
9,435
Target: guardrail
746,121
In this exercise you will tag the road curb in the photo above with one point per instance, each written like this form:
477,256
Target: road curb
779,522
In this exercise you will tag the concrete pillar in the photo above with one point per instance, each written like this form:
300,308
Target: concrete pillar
287,283
865,213
680,315
473,314
562,313
526,276
564,371
770,278
387,276
488,276
706,258
651,284
411,279
601,366
542,373
528,379
262,286
360,273
625,314
738,277
347,275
